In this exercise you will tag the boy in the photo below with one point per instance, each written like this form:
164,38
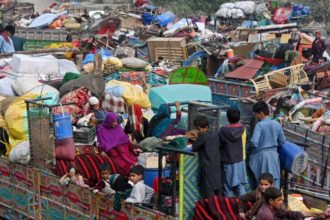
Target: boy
207,144
103,186
271,209
232,144
267,136
141,193
256,197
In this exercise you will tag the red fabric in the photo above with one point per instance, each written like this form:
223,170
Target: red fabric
281,15
87,165
137,118
113,104
80,97
273,61
124,158
64,149
139,3
217,207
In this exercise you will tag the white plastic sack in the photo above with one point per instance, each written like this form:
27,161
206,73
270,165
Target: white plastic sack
223,12
44,65
5,87
249,7
65,66
20,153
134,63
23,84
237,13
228,5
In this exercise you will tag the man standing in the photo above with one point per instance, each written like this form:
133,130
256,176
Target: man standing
267,136
318,47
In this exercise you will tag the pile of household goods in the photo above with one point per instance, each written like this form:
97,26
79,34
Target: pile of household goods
118,83
57,16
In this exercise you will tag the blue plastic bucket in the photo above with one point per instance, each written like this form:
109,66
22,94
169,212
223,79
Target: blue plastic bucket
62,126
150,174
165,18
293,158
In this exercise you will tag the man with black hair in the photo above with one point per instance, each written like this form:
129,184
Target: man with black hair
272,208
280,52
141,193
207,145
267,136
6,43
233,153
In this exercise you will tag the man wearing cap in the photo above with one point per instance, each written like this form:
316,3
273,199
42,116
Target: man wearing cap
318,47
99,113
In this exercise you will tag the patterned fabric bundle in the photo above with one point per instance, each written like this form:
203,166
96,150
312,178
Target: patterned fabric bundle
113,104
87,165
217,207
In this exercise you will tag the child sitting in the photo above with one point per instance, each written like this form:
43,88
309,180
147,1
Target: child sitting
271,209
256,197
207,144
141,193
73,176
123,189
103,185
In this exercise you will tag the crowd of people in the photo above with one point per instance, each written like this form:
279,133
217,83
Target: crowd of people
224,166
223,158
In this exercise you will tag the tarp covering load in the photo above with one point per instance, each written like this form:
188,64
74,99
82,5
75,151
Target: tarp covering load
187,75
240,9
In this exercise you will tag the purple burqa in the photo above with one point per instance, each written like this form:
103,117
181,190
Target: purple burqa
109,137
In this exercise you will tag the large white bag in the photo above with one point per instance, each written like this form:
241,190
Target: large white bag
24,84
249,7
237,13
20,153
65,66
44,65
134,63
5,87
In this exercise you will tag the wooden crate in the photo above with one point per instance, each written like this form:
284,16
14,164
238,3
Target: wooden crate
173,49
45,34
295,73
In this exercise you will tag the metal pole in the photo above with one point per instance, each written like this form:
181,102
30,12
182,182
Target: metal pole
174,184
160,171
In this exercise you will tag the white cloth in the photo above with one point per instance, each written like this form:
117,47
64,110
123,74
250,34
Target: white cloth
141,193
93,100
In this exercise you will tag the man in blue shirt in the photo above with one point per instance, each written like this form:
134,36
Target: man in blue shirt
18,42
6,43
267,136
